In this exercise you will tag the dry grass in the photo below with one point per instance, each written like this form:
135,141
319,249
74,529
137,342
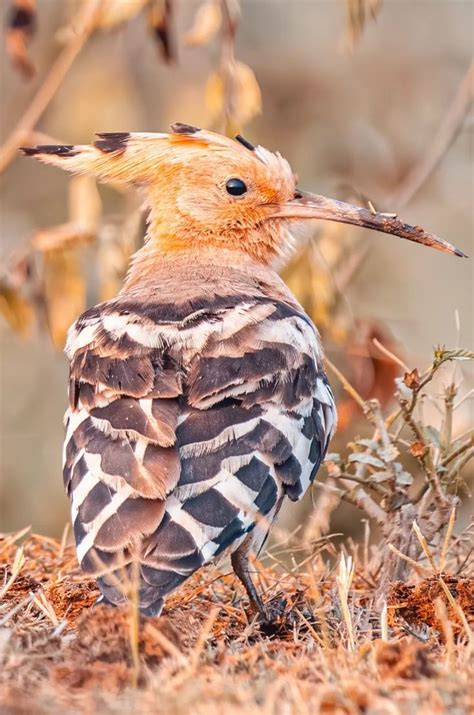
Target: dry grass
207,654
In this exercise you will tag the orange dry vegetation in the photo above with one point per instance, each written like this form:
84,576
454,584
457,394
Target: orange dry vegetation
416,604
207,654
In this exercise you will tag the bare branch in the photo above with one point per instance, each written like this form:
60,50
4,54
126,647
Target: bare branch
346,384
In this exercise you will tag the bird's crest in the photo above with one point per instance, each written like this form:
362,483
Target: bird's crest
132,157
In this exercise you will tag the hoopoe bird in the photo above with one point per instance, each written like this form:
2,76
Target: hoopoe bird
198,400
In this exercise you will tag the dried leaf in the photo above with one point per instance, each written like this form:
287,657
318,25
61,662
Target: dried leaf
68,235
370,373
85,205
20,269
248,98
85,208
159,19
20,27
207,22
115,12
16,309
357,12
64,291
412,379
418,448
215,94
347,412
237,95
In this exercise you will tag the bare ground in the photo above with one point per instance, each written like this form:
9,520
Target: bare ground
208,654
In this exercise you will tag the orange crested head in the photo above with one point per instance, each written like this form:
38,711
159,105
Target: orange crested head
205,190
201,188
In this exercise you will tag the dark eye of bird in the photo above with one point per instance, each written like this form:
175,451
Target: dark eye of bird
235,187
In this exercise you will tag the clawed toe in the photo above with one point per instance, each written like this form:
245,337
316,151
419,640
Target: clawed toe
274,611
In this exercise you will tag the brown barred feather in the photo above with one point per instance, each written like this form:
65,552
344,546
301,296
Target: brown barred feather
130,419
134,519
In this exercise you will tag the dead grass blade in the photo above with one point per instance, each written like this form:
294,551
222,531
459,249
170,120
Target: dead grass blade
18,563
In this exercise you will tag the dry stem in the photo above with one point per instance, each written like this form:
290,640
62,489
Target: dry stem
83,25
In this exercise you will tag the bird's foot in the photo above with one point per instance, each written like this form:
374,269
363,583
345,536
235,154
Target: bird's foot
273,611
272,617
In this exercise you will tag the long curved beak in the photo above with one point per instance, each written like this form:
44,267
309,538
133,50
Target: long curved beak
313,206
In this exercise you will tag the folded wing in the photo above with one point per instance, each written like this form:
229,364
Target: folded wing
186,429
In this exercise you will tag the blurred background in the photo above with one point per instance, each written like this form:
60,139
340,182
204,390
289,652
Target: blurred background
359,96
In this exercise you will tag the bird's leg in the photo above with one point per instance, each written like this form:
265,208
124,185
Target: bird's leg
240,564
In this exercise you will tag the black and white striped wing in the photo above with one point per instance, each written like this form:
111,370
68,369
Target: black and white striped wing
185,431
120,455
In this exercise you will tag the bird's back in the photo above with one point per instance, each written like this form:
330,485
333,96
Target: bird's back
197,403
